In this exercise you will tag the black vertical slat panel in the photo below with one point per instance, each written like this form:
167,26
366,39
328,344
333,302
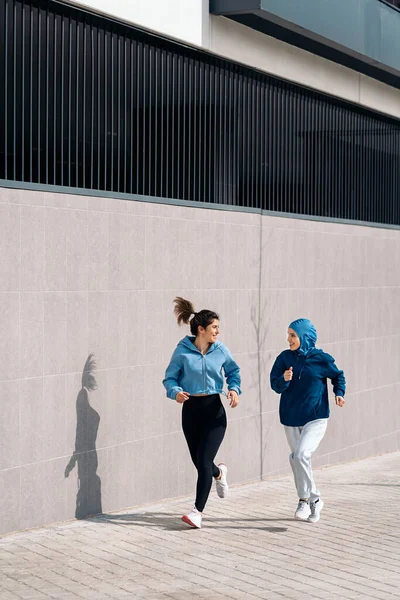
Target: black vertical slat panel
206,132
162,119
105,90
342,161
157,136
56,117
24,78
93,98
3,91
285,150
258,158
149,135
394,174
339,165
112,104
269,120
280,154
387,173
144,109
335,170
293,151
378,168
235,125
363,167
179,126
382,186
101,73
140,116
252,88
118,129
195,116
69,89
210,98
132,129
317,157
263,147
220,134
139,80
239,142
396,195
190,113
370,171
310,159
40,97
62,96
6,73
14,137
321,149
298,145
327,160
125,124
357,168
168,132
214,163
245,137
248,133
78,91
200,167
274,150
224,191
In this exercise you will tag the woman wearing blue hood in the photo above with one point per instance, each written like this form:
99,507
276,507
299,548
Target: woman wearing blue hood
195,378
300,375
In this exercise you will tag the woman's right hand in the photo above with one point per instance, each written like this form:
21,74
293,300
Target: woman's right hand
181,397
288,375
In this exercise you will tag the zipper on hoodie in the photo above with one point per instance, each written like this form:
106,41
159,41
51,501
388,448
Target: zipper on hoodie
204,372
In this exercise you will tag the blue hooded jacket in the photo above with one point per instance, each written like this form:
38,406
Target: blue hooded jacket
191,371
305,397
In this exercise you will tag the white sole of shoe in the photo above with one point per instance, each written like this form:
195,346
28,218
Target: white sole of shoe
186,520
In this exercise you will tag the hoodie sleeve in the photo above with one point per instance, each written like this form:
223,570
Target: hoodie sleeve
278,383
336,376
172,375
232,372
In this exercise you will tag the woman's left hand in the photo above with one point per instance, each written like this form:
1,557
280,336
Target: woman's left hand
340,401
233,397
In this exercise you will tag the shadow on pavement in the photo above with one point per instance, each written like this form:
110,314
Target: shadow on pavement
172,522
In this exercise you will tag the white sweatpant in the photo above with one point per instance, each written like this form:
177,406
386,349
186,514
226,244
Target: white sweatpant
303,442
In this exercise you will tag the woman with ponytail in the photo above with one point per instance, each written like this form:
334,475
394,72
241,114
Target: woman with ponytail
195,378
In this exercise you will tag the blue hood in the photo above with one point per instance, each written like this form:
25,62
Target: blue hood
307,334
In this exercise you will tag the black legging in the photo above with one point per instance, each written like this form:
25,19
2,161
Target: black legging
204,426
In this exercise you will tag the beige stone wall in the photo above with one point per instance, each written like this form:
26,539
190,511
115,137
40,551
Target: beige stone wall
82,275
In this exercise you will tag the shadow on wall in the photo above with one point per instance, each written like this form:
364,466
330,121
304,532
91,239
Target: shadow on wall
88,497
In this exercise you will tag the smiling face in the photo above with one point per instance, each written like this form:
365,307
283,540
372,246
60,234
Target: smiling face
210,333
293,339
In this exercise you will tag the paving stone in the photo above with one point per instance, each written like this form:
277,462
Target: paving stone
249,547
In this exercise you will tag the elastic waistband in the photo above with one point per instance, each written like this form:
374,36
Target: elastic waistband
205,398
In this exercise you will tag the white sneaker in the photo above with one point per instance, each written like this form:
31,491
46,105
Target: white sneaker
302,511
193,518
316,508
222,484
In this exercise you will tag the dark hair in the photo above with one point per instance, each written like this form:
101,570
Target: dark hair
184,309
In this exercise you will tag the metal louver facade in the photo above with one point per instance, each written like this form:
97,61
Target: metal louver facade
94,104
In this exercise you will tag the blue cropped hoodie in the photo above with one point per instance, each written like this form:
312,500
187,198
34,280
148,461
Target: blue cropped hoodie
191,371
305,397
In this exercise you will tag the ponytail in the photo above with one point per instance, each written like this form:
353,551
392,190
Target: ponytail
184,309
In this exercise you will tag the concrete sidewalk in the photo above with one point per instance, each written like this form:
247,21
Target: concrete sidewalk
249,547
